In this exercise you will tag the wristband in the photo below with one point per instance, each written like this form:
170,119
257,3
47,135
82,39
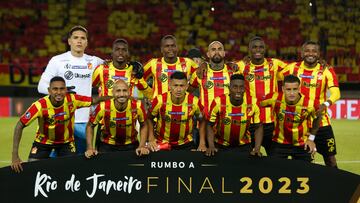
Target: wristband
327,104
311,137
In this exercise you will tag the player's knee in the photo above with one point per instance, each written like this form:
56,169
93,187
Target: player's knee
32,159
330,161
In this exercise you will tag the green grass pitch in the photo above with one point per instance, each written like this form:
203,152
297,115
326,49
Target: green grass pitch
347,135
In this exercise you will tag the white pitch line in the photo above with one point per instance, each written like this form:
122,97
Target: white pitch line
342,162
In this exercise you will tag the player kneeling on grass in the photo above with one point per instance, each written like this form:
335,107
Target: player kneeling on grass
118,118
296,122
229,119
55,115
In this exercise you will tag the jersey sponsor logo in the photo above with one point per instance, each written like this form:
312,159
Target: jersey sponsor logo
175,120
27,115
226,121
79,67
235,114
112,124
306,76
163,78
263,77
289,112
310,85
122,125
239,122
280,116
121,119
67,66
218,78
78,75
68,75
51,120
250,77
109,84
176,113
59,114
170,71
220,85
119,78
294,120
260,70
209,85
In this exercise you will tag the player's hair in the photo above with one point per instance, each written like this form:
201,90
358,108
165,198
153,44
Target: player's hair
120,40
57,78
255,38
77,28
291,79
237,77
311,43
214,42
168,37
178,75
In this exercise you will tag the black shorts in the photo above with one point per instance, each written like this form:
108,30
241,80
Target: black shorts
187,146
42,151
245,148
267,138
105,148
325,141
286,150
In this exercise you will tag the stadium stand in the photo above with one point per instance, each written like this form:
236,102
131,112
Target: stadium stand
33,31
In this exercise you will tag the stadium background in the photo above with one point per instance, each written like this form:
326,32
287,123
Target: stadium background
33,31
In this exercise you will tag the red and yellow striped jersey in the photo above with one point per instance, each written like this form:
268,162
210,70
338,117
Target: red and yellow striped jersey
232,122
56,124
213,84
106,75
292,122
174,121
314,84
261,82
161,72
118,127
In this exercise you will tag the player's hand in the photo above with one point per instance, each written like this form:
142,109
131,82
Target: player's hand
320,110
142,151
311,146
201,148
256,152
16,165
91,153
70,89
323,63
201,70
106,62
246,60
137,69
211,151
147,102
153,146
234,67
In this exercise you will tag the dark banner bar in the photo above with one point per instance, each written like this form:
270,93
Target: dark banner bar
177,176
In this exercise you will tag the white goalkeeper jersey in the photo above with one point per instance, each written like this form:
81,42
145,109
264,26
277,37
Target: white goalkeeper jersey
77,72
